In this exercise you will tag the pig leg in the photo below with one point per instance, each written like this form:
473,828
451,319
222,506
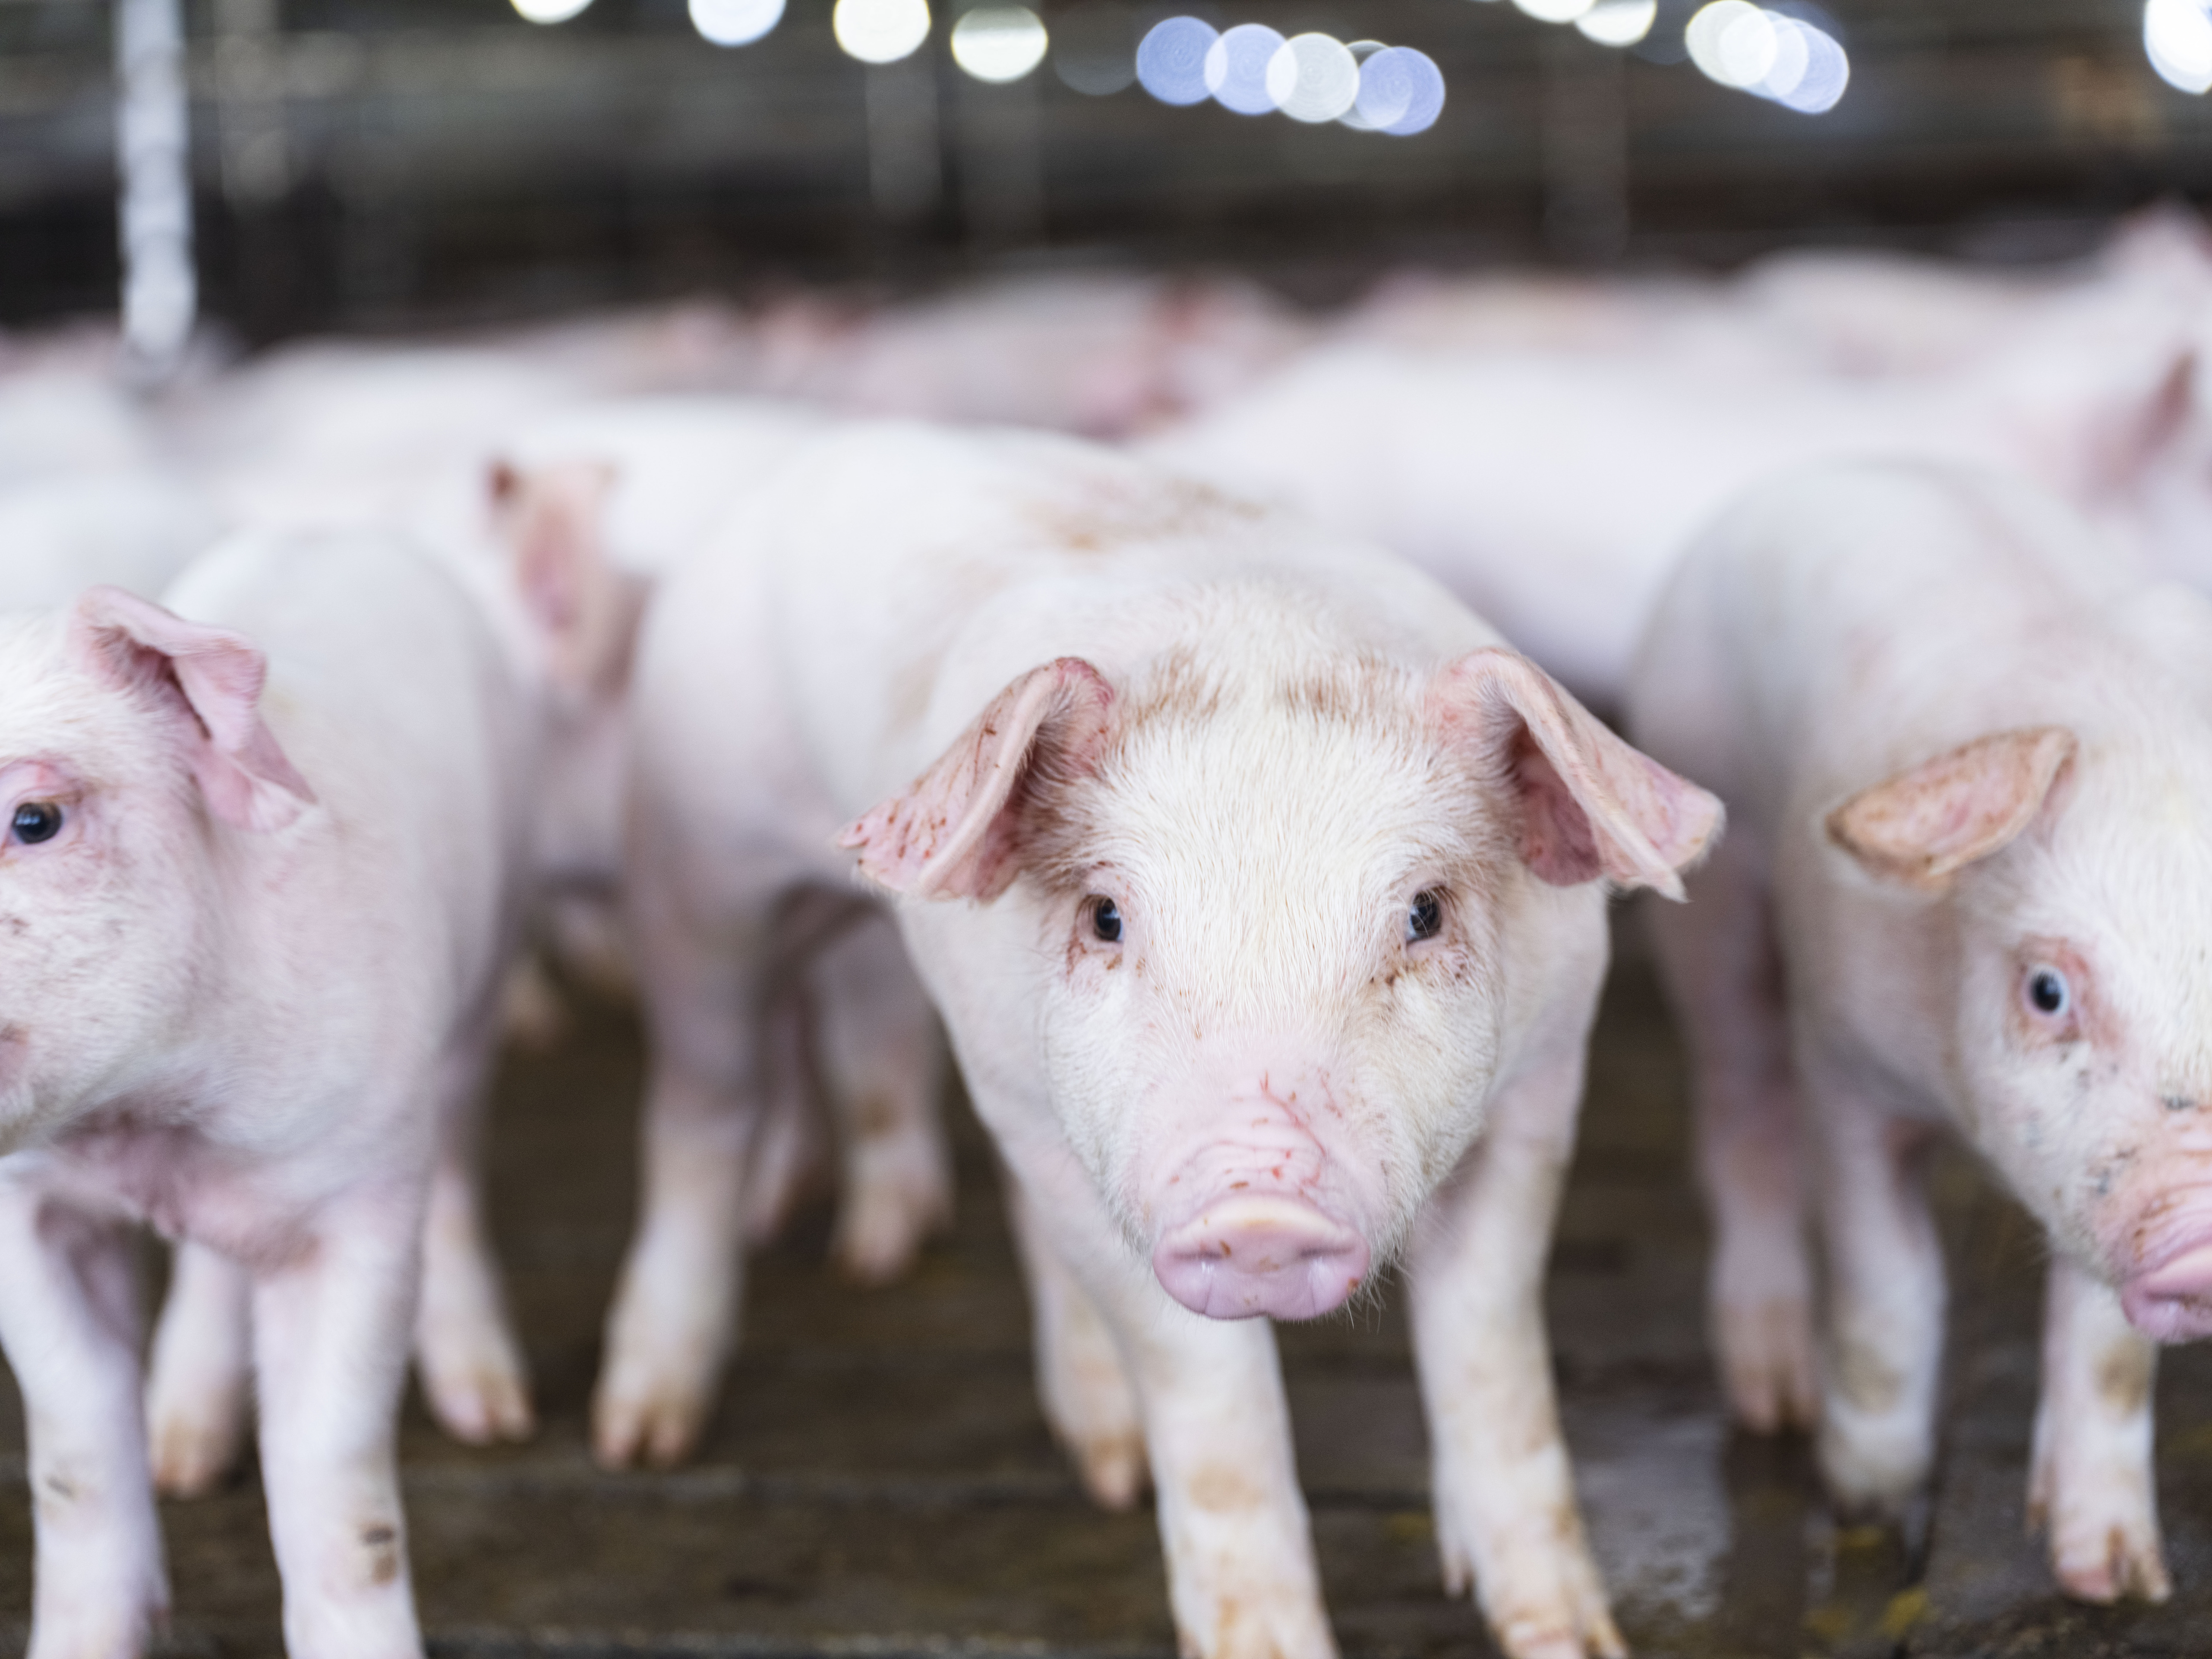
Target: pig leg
882,1062
675,1316
473,1373
1506,1516
2093,1481
1086,1390
69,1318
201,1374
1242,1579
1886,1296
786,1152
1726,981
330,1330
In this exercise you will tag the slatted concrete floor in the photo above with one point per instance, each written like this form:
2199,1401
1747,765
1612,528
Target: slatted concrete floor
879,1482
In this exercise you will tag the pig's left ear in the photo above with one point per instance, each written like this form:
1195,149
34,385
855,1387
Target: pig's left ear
1930,821
955,831
210,680
1590,805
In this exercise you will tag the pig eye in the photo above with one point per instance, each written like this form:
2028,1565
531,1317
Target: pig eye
1106,920
1424,918
2048,993
35,821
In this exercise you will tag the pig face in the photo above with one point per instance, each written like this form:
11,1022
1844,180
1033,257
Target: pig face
2080,880
1277,919
123,732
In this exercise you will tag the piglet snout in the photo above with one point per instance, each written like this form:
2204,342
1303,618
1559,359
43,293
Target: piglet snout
2172,1302
1255,1254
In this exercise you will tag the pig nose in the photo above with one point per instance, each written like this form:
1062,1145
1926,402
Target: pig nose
1255,1255
2173,1303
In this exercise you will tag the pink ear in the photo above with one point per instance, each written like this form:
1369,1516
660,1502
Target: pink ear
552,519
955,833
1590,805
1936,818
211,680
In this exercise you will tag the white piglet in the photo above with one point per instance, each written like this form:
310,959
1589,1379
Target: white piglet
1261,889
257,886
1969,768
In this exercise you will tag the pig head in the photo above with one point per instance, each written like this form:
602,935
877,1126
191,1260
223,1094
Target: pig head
2074,876
1279,917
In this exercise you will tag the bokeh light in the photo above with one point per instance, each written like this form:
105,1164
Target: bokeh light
1236,68
1172,59
550,11
1401,91
1793,62
1733,41
2178,39
1617,22
1314,78
1094,47
1555,11
880,31
735,22
999,42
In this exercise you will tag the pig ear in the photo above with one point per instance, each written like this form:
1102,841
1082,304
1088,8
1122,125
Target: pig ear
1590,805
2152,421
551,520
954,834
212,681
1925,824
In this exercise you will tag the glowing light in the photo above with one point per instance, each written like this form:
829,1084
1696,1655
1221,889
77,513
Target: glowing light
550,11
1555,11
1733,41
1402,92
1618,23
1094,48
734,22
1171,60
2178,39
1827,71
999,42
1313,78
1236,68
880,31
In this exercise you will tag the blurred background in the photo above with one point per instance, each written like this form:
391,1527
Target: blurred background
381,164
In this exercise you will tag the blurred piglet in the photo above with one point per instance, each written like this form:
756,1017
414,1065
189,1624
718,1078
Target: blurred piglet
257,906
1262,891
1969,775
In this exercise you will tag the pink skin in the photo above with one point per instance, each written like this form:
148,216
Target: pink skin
2170,1299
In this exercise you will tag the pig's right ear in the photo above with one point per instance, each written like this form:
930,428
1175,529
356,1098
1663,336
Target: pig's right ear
551,521
1926,823
954,832
211,681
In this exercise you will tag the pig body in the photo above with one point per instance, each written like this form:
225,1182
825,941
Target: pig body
261,943
1969,767
134,528
1259,887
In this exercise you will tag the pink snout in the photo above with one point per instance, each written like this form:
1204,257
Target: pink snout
2173,1303
1251,1254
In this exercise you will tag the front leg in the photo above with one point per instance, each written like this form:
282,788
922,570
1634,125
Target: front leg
330,1329
69,1318
2093,1482
1884,1352
1506,1515
1242,1579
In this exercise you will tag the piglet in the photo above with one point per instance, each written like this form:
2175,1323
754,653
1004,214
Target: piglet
1970,771
257,886
1261,889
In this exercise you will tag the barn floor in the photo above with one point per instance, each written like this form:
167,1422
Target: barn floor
879,1481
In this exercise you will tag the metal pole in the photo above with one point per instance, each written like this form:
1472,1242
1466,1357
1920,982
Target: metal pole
160,292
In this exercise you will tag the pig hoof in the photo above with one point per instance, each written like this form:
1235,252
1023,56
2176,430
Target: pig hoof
881,1225
190,1459
532,1012
486,1404
1767,1363
1113,1467
2103,1562
655,1432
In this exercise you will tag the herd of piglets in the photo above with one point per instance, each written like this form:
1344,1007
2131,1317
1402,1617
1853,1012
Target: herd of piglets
1181,765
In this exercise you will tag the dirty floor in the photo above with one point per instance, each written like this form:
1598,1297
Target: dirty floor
879,1481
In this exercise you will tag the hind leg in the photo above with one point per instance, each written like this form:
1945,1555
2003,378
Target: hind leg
1725,979
787,1153
200,1377
883,1061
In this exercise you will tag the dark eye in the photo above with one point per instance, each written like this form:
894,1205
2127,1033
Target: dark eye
1106,921
36,821
1425,919
2048,994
